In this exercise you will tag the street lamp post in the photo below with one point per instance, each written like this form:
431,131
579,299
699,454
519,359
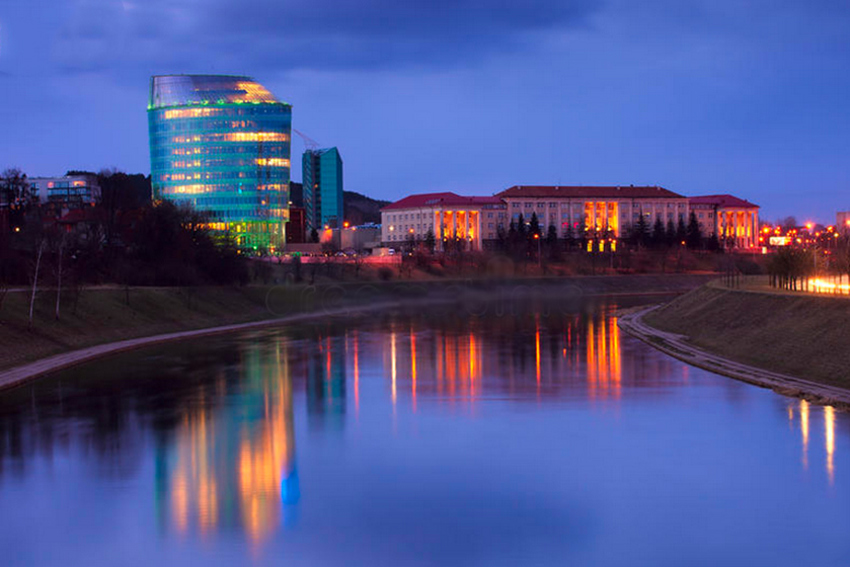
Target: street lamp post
537,238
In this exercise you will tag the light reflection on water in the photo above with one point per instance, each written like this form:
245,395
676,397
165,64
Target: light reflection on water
555,428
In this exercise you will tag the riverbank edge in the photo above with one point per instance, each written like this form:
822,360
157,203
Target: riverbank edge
19,375
14,376
678,347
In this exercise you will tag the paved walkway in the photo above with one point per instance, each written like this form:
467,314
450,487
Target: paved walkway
20,374
677,346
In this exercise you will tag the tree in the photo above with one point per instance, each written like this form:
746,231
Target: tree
694,234
681,231
640,232
14,188
534,226
501,238
409,243
16,195
670,233
521,228
314,235
552,236
569,237
552,243
35,278
788,223
659,235
581,235
431,240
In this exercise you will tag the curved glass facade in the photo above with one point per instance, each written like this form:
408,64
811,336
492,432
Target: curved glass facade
222,144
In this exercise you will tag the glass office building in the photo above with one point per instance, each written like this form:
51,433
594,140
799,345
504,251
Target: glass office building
322,179
222,144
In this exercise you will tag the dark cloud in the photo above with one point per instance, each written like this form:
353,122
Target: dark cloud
321,34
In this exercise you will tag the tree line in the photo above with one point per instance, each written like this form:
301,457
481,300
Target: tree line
125,239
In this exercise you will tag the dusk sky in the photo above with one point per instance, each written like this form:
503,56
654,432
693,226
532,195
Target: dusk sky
472,96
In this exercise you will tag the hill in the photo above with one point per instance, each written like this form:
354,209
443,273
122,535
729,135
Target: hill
360,209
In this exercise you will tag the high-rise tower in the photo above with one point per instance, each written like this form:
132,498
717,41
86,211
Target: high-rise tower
221,143
322,178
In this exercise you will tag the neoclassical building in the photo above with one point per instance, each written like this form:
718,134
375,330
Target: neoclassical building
734,221
607,212
447,215
601,214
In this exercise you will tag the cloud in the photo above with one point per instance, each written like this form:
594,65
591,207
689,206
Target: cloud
322,34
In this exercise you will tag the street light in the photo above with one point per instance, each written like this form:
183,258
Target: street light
537,238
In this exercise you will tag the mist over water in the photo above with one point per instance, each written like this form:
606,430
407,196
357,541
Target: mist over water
489,434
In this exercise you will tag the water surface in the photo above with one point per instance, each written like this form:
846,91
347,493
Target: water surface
499,435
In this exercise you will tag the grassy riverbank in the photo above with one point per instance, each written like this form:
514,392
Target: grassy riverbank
103,315
806,336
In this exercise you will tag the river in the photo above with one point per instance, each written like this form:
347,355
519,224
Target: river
532,433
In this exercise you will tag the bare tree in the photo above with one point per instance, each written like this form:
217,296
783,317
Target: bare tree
35,278
14,187
59,276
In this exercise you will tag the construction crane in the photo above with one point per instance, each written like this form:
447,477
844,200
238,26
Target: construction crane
309,142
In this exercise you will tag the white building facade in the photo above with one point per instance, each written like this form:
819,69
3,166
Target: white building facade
601,213
447,216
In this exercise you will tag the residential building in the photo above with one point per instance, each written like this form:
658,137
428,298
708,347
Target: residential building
734,221
221,144
68,190
600,213
321,175
447,216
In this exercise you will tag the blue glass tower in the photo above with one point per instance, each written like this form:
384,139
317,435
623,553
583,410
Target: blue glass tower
221,144
322,179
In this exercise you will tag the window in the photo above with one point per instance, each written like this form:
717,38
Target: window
553,205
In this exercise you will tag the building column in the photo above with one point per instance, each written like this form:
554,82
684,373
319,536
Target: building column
438,229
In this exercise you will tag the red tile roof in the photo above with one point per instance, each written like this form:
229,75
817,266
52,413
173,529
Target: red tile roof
441,200
596,192
722,201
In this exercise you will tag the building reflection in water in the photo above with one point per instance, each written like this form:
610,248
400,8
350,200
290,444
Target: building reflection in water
829,421
326,388
541,358
232,465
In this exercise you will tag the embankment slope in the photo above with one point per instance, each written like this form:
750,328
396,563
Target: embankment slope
800,335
